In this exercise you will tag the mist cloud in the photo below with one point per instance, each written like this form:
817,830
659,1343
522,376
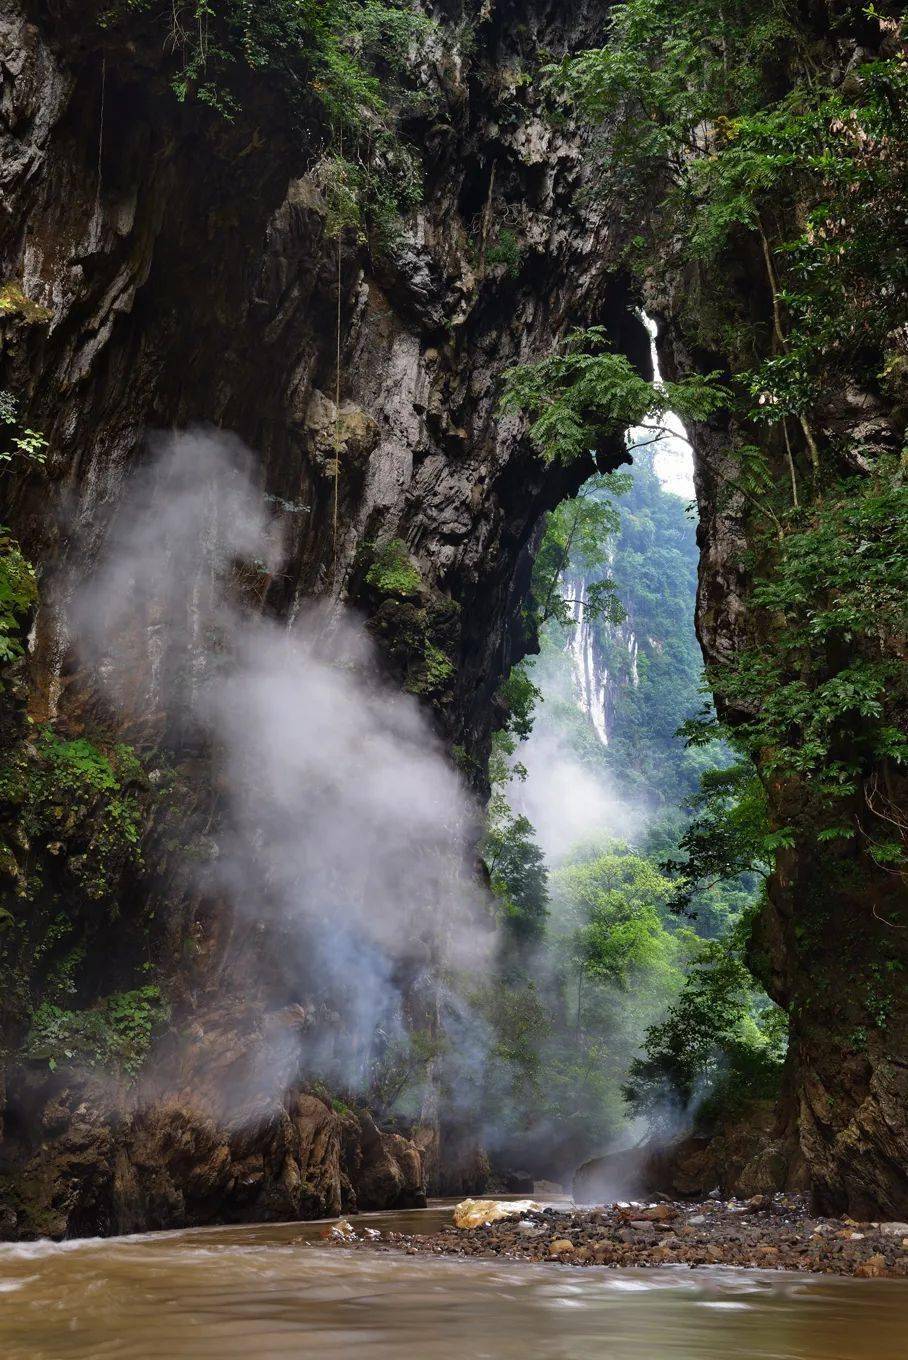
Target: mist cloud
566,801
346,835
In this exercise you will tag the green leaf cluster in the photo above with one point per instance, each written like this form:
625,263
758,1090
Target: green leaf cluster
26,445
348,55
577,541
518,876
351,61
728,837
585,395
507,251
824,703
393,571
725,136
18,598
718,1036
748,162
115,1033
72,795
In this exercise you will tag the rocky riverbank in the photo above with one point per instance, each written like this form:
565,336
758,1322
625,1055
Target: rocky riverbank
768,1232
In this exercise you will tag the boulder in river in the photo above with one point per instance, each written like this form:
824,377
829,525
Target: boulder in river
476,1213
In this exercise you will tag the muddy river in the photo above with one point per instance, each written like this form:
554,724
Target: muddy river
272,1293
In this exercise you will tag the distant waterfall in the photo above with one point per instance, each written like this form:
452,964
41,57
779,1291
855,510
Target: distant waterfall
590,675
595,686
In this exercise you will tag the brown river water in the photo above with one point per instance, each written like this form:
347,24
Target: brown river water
261,1293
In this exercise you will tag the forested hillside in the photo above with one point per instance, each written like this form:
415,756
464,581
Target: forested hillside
616,1005
644,671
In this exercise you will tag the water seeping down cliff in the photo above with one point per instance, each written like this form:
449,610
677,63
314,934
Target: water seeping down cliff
164,267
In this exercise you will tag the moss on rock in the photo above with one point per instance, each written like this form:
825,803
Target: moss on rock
15,302
76,803
18,598
393,571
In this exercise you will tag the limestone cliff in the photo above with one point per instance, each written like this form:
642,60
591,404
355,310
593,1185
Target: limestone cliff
829,942
164,267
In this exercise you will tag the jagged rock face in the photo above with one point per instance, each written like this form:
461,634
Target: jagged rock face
182,273
104,1167
742,1156
161,268
825,937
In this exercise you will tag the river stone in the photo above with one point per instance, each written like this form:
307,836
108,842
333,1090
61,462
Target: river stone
871,1268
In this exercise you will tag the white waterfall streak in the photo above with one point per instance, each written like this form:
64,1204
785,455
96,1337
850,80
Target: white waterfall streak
673,457
590,677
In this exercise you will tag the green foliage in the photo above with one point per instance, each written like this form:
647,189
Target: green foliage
718,1036
18,598
506,250
398,1070
610,960
585,395
415,622
72,795
116,1033
610,907
339,181
350,59
133,1019
728,137
18,585
393,571
726,126
347,54
518,876
521,1021
729,836
15,302
824,704
340,1107
578,536
518,696
652,564
438,669
735,142
369,193
568,1024
25,445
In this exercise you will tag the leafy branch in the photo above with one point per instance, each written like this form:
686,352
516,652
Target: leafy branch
585,394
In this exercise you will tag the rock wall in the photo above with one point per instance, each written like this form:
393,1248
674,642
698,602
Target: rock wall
161,267
829,943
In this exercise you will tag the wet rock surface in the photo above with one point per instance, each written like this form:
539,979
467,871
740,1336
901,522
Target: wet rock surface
765,1232
161,267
